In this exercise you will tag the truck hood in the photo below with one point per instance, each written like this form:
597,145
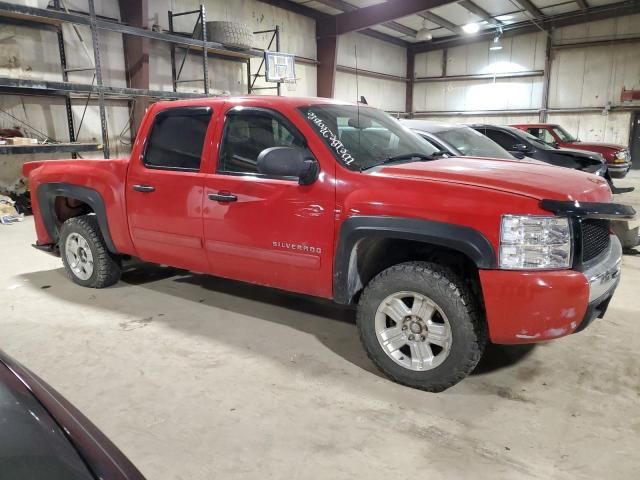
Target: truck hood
598,145
534,180
595,156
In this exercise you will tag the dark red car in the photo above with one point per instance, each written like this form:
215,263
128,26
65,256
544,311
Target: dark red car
44,437
617,156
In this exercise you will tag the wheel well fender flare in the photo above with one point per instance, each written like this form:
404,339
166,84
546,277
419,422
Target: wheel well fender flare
47,194
463,239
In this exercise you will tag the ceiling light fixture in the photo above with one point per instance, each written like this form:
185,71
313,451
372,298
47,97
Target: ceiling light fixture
470,28
424,34
496,43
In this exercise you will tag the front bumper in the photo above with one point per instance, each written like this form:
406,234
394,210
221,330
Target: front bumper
618,170
603,277
534,306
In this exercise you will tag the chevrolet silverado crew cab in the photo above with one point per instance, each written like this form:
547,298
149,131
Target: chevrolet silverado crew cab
340,201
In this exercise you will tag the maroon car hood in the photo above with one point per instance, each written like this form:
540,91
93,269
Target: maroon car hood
612,146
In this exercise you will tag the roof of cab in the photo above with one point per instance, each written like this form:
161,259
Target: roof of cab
429,126
533,125
262,100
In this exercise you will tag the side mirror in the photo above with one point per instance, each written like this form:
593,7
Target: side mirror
288,162
519,155
520,147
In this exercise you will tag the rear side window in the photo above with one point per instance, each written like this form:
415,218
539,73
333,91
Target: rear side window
177,138
505,140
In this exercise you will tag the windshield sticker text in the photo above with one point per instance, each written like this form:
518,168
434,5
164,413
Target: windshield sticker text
333,139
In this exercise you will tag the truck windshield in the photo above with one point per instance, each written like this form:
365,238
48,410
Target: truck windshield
363,137
471,143
563,134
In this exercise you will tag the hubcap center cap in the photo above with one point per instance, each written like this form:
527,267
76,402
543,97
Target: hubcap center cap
415,327
82,255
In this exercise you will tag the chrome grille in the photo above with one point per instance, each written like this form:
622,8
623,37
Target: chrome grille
595,238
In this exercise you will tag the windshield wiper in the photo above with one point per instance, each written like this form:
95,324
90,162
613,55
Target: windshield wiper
409,156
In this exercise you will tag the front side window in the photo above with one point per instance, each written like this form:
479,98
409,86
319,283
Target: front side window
360,138
247,133
472,143
430,141
177,138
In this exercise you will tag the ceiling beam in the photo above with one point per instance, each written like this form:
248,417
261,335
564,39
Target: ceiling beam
443,22
629,7
376,14
384,37
481,12
530,8
323,18
349,7
582,4
298,8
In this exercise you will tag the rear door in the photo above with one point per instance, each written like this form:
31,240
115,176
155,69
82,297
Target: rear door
165,188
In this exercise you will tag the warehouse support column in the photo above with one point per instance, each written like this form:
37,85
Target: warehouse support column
136,56
411,77
326,70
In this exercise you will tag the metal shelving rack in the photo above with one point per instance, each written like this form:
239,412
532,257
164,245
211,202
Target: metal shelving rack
202,23
54,17
200,28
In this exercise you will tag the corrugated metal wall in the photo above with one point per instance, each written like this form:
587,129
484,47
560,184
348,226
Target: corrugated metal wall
524,53
374,56
580,77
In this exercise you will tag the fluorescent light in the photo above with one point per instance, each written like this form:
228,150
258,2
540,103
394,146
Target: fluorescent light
470,28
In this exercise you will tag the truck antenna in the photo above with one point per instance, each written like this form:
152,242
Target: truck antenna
355,51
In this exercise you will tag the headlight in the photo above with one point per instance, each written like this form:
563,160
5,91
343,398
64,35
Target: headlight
532,242
621,155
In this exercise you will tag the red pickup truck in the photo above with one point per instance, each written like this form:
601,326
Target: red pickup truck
340,201
617,156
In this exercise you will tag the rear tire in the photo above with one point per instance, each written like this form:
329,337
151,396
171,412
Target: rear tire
419,326
85,256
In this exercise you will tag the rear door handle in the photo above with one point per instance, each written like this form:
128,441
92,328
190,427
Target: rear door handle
144,188
223,197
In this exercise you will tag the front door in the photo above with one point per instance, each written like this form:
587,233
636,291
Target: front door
266,230
165,190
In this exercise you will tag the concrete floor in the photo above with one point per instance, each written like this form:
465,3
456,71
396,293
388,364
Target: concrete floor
198,378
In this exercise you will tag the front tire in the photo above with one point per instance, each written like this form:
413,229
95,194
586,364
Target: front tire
419,326
84,253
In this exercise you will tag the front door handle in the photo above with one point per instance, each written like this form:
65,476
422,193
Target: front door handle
144,188
223,197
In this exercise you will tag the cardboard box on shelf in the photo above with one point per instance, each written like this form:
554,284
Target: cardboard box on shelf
22,141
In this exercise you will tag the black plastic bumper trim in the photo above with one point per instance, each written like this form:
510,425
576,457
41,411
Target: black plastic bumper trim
596,309
605,211
47,248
